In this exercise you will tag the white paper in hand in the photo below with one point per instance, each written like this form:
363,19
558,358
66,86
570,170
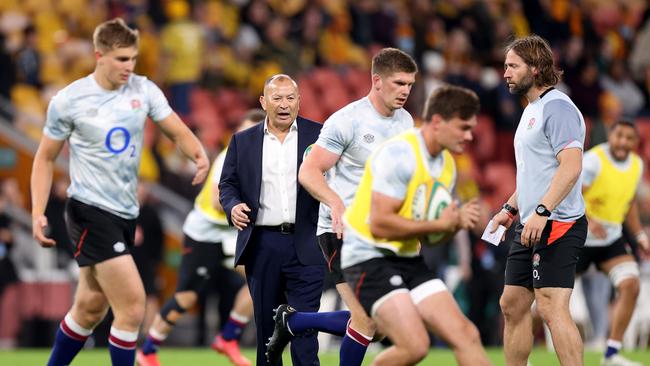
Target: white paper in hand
495,237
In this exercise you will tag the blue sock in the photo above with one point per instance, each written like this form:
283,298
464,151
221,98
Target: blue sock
353,348
70,339
612,348
121,346
152,342
234,326
334,322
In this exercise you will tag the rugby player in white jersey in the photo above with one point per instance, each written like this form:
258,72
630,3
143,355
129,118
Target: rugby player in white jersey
102,117
331,173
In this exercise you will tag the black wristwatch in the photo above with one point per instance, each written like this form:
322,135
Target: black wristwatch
541,210
513,211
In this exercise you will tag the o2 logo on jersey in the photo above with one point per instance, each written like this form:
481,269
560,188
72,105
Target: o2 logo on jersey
126,137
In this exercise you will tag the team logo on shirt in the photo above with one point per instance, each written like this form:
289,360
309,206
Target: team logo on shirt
531,123
135,104
369,138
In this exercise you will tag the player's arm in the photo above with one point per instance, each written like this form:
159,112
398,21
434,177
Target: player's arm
504,217
312,176
633,223
386,223
566,176
41,183
189,144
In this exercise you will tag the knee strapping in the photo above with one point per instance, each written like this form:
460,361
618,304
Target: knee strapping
170,305
623,271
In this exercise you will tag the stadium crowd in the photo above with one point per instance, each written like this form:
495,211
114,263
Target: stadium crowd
212,58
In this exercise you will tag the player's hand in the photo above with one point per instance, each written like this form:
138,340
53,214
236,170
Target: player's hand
470,213
501,218
239,216
337,218
202,169
533,228
450,217
39,223
597,229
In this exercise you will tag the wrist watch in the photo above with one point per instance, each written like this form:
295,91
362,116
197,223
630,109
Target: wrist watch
541,210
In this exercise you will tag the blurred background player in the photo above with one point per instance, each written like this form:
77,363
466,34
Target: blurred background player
207,239
610,179
102,117
331,173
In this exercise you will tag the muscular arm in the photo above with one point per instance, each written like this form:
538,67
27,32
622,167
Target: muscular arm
565,177
311,175
386,223
41,183
189,144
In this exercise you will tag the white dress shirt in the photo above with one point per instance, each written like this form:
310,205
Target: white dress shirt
279,178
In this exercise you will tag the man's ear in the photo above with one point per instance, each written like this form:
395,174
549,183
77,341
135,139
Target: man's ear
263,102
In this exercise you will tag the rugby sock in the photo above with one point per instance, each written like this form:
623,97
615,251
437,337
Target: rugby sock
69,340
121,346
612,348
353,348
153,341
334,322
234,326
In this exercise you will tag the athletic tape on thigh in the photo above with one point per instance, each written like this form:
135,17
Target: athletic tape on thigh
623,271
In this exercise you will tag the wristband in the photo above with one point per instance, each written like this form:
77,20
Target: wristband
510,215
509,209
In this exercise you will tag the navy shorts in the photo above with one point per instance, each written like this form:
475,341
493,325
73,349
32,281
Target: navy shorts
199,263
599,255
97,235
331,247
550,263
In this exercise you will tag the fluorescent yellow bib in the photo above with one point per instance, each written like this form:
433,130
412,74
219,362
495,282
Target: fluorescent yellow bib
357,215
609,196
203,201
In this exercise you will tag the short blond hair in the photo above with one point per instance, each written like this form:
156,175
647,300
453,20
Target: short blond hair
114,33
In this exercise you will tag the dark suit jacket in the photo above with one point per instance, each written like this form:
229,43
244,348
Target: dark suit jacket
241,181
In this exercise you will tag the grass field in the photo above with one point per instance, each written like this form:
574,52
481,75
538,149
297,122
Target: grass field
206,357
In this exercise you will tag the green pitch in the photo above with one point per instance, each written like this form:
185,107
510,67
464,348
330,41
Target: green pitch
194,356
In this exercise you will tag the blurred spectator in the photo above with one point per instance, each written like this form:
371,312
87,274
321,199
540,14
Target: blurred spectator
618,82
28,60
182,42
9,304
611,111
585,87
7,75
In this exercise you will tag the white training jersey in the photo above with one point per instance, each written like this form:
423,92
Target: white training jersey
353,132
105,129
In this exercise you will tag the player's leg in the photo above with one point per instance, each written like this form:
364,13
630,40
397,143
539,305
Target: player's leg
515,305
444,318
624,273
553,306
399,319
89,308
227,340
554,266
120,282
198,263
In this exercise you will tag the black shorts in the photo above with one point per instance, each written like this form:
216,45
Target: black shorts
373,280
598,255
547,264
97,235
200,261
331,247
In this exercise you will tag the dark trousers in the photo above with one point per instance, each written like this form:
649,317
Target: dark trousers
275,276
